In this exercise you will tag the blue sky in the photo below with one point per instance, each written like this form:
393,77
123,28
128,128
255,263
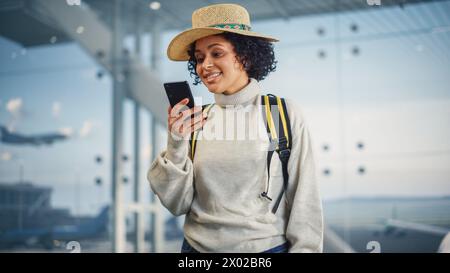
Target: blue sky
393,96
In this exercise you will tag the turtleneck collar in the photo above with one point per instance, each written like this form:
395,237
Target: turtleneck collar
241,97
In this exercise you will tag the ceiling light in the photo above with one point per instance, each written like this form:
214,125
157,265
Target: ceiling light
155,5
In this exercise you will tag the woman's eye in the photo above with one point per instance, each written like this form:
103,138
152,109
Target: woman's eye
217,54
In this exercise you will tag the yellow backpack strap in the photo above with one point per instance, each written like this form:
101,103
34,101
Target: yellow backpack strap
269,119
281,138
194,135
283,117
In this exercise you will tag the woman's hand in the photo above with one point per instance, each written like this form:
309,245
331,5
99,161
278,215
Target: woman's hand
181,123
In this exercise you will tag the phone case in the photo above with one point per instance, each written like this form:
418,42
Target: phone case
177,91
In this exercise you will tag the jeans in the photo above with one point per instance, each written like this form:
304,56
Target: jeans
283,248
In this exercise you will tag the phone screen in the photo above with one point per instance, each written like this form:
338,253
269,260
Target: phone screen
177,91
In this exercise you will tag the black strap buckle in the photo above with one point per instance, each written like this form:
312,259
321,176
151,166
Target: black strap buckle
284,154
283,151
264,194
282,142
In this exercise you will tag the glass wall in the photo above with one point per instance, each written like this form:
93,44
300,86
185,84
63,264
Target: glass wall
55,115
374,87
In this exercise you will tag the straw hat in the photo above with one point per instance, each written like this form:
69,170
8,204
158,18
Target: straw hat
212,20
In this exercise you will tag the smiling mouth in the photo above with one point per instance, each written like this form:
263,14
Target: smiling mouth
213,76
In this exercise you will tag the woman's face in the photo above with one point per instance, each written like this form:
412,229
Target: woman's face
218,67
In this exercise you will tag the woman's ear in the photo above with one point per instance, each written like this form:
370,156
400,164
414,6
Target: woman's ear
246,65
243,64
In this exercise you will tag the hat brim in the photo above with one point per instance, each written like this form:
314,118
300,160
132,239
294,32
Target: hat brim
179,46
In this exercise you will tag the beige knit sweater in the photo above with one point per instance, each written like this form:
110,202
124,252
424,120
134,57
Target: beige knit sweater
219,191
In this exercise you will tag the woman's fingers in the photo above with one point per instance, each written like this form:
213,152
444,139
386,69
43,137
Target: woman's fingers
198,125
187,114
174,113
184,115
184,128
181,106
189,127
175,126
182,122
191,121
177,112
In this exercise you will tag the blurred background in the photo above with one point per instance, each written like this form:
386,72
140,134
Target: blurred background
83,114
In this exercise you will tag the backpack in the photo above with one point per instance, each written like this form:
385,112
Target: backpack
280,139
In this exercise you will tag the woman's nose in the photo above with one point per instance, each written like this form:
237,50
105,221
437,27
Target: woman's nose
207,64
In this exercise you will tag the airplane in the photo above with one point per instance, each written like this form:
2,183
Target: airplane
392,224
19,139
46,237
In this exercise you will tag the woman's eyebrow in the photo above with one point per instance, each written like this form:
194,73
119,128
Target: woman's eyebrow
209,46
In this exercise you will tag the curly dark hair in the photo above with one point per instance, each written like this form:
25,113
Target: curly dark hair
256,54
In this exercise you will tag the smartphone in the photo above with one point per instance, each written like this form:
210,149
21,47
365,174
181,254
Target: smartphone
178,91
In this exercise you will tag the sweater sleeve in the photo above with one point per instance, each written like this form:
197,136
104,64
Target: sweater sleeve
305,224
171,177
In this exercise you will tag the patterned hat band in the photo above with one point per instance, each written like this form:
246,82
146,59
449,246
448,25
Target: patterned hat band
232,26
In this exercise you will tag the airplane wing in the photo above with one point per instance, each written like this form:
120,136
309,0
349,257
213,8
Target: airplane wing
431,229
48,139
19,139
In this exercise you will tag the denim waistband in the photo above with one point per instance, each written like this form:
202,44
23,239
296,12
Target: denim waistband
283,248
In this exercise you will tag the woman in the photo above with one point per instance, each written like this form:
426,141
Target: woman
220,191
